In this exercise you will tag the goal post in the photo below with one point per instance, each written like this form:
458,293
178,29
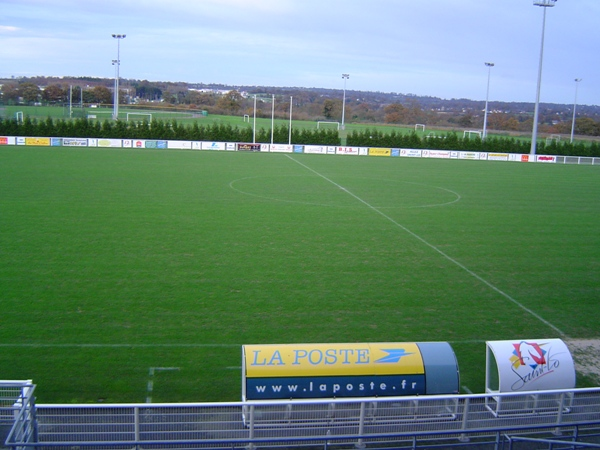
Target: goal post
325,122
148,115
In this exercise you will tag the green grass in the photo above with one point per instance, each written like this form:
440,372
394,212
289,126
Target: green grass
116,261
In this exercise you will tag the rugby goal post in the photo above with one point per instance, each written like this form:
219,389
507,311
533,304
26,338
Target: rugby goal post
333,123
420,126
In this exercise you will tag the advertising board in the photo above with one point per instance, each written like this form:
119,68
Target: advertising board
212,145
346,151
380,151
113,143
74,142
442,154
37,141
248,147
410,152
179,145
546,159
281,148
347,370
528,365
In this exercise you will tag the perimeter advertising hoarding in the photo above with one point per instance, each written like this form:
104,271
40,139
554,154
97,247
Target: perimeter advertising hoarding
528,365
410,152
7,140
281,148
315,149
75,142
443,154
212,145
347,151
380,151
289,371
248,147
113,143
546,158
179,145
37,141
497,157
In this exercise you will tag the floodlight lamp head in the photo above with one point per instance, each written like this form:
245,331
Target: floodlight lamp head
346,75
489,64
545,3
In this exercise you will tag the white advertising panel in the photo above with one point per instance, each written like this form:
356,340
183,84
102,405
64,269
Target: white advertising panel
530,365
213,145
468,155
180,145
411,152
316,149
497,157
281,148
347,151
110,143
546,158
7,140
75,142
230,146
443,154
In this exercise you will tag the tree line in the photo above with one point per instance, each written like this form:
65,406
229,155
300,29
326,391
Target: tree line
307,104
453,141
162,130
172,130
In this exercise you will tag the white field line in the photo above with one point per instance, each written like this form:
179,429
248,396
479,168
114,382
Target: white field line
433,247
150,384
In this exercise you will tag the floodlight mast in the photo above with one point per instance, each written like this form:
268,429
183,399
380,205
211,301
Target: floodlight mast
345,76
577,80
117,62
545,4
487,97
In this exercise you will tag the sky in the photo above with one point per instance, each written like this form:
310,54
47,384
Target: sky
432,48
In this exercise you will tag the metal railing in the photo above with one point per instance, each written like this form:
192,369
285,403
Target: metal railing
404,422
17,411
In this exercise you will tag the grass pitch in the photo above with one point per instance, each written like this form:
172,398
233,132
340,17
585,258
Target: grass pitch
120,267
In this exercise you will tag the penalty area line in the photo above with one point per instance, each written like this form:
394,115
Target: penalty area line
436,249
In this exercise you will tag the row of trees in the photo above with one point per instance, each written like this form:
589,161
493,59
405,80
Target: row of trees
453,141
308,104
171,130
54,94
163,130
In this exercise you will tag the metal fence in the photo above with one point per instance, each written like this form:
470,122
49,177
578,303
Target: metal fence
16,404
584,160
508,420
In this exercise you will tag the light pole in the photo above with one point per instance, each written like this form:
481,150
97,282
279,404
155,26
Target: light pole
290,130
487,97
345,76
117,62
254,123
272,119
545,4
577,80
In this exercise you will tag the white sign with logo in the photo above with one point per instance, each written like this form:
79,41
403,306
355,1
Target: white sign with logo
529,365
